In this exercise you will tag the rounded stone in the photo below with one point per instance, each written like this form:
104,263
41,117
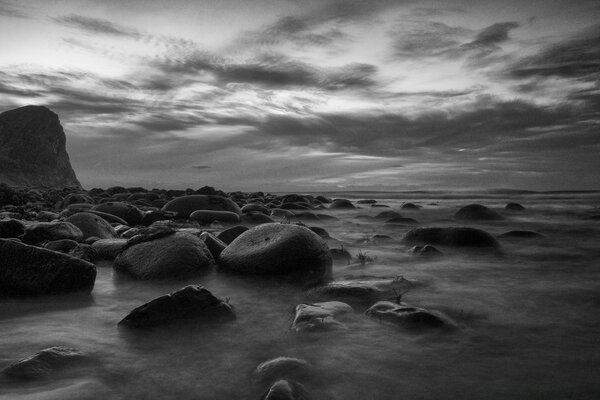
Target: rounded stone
278,249
44,231
474,212
92,225
186,205
229,235
341,204
208,216
453,236
131,214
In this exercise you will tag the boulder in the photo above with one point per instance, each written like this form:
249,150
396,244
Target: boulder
185,205
49,231
175,255
282,367
352,291
477,212
92,225
319,316
408,317
256,218
11,228
45,363
208,216
215,246
410,206
341,204
190,302
366,201
31,271
127,212
255,208
514,207
153,216
108,249
62,245
229,235
388,215
453,236
278,249
33,149
286,390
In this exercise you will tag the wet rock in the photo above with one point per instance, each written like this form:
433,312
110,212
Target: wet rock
46,216
286,390
477,212
76,198
45,363
453,236
215,246
351,291
185,205
319,316
323,199
320,231
174,256
341,204
279,249
8,195
341,255
92,225
379,206
113,219
32,271
62,245
256,218
381,238
388,215
153,216
11,228
84,252
522,235
410,206
282,367
255,208
408,317
366,201
295,206
229,235
514,207
48,231
127,212
208,216
108,249
190,302
425,251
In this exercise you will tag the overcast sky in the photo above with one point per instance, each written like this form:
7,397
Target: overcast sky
305,95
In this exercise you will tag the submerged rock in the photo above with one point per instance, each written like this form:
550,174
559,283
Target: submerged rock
351,290
319,316
190,302
286,390
453,236
474,212
425,251
32,271
172,256
45,363
278,249
282,367
514,207
408,317
186,205
341,204
49,231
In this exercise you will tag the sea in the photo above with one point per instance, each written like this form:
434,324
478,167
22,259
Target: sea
528,317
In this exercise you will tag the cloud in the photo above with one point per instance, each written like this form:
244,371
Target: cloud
493,34
96,26
575,58
11,10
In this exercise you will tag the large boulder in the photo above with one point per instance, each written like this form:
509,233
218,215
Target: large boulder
408,317
92,225
278,249
186,205
173,256
477,212
32,271
129,213
191,302
33,149
49,231
453,236
45,363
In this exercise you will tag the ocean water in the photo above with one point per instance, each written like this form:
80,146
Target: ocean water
528,319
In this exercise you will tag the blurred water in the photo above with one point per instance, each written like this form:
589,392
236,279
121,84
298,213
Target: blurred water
529,319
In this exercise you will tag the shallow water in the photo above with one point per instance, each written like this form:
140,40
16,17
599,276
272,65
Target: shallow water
529,321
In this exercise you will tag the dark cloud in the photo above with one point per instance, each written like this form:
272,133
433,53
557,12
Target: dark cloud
425,39
96,26
575,58
12,10
493,34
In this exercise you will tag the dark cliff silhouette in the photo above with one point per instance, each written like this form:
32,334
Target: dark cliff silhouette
32,149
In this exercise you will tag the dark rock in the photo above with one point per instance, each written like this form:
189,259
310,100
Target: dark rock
185,205
410,206
113,219
282,367
305,216
408,317
76,198
286,390
215,246
33,271
341,204
514,207
256,218
278,249
129,213
256,208
366,201
477,212
323,199
351,291
425,251
191,302
92,225
320,231
327,217
45,363
319,316
295,206
43,231
340,255
108,249
62,245
401,221
522,235
84,251
208,216
280,213
11,228
453,236
46,216
33,151
229,235
8,195
151,217
173,256
388,215
379,206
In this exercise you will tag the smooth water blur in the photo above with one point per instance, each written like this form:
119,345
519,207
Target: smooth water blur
529,319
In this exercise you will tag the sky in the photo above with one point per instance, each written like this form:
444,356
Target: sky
314,95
